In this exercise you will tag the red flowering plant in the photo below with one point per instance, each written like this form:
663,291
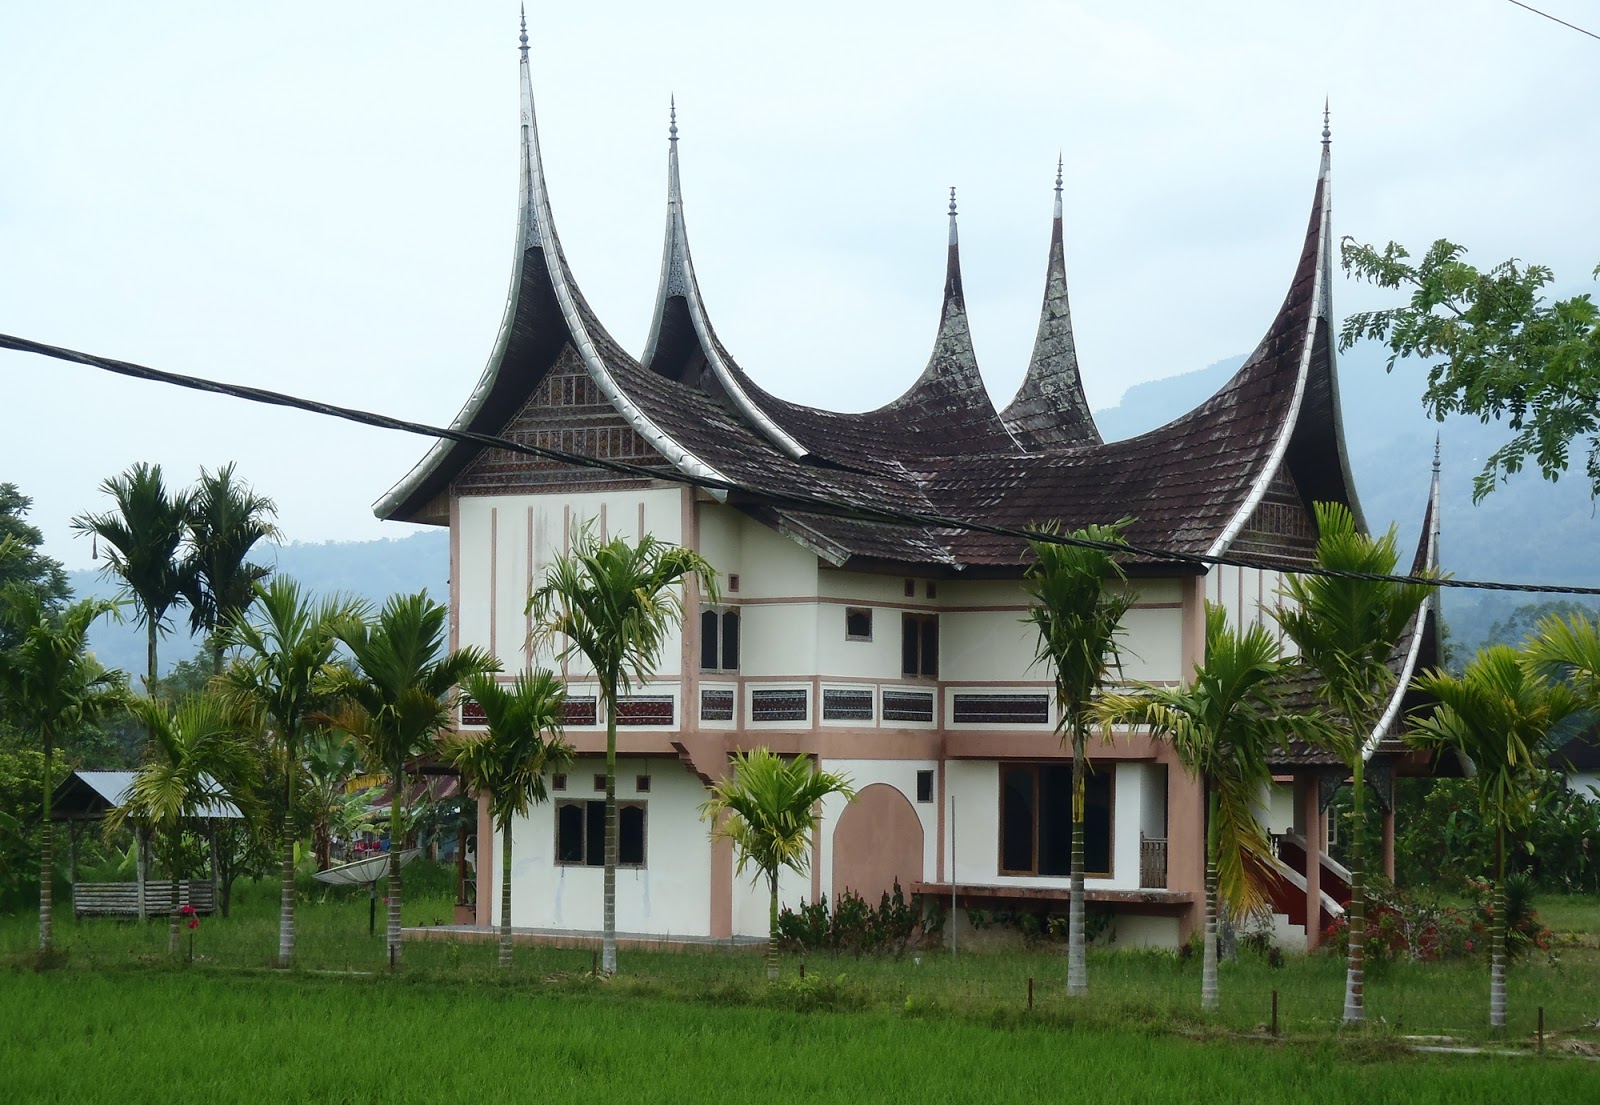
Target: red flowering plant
191,917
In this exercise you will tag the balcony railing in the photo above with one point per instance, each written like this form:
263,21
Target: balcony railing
1152,863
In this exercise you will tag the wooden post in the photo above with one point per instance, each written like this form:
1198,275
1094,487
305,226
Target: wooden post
1274,1012
1541,1030
141,867
1030,992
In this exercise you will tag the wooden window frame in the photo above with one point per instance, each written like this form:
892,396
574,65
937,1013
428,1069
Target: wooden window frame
921,620
1000,837
583,803
862,612
719,617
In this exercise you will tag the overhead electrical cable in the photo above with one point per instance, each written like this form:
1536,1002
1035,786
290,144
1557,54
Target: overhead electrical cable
817,504
1554,19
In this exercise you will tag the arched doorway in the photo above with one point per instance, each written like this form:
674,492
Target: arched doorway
878,840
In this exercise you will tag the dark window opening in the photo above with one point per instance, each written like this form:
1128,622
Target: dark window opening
1036,820
733,583
919,645
558,781
600,783
924,786
581,834
932,589
857,625
641,784
911,588
719,640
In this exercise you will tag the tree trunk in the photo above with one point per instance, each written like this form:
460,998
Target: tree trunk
286,888
174,920
150,657
608,919
505,894
772,929
1077,966
141,867
47,867
396,842
1355,966
1208,962
1497,940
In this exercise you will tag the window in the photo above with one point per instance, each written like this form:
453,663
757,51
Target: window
600,783
857,624
581,834
719,640
641,784
911,588
919,645
924,786
1036,820
733,583
558,781
932,589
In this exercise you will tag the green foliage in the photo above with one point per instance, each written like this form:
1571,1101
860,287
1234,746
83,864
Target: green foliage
226,520
766,807
1421,926
1495,350
141,536
24,565
852,925
523,742
1223,726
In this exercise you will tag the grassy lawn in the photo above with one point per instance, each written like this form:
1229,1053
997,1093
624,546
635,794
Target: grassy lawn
170,1034
119,1016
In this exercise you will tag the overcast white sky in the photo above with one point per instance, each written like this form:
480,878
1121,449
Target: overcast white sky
320,197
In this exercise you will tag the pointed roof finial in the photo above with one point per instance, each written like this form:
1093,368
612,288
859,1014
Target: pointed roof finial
523,37
1326,133
1436,454
952,201
1060,161
672,128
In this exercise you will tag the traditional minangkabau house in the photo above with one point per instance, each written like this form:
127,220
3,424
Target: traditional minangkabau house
893,654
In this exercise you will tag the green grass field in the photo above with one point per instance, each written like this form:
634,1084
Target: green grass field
165,1035
118,1016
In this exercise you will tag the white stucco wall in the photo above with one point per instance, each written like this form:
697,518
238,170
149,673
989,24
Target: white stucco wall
495,569
670,895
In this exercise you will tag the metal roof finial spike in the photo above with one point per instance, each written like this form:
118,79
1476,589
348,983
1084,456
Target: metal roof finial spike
672,128
1326,133
952,201
523,37
1060,160
1436,454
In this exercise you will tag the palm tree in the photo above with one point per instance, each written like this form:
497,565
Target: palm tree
1498,714
1346,627
508,763
199,759
1078,619
398,699
767,808
226,519
1223,727
51,685
283,677
142,534
614,603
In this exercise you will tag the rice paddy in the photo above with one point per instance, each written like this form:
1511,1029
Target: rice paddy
117,1018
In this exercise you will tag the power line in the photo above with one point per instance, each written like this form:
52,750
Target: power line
1554,19
795,500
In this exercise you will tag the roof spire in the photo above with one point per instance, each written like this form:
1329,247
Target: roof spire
1436,454
523,37
1326,133
952,214
1059,162
672,128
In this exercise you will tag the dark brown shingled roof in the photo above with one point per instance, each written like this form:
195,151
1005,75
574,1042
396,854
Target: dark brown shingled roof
1050,410
939,449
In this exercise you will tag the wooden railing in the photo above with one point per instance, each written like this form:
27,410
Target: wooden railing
1152,863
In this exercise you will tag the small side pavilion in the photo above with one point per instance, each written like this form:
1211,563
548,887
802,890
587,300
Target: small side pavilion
86,798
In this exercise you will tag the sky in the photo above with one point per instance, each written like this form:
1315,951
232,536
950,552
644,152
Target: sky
321,197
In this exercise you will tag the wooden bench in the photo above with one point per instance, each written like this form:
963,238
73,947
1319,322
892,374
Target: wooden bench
121,899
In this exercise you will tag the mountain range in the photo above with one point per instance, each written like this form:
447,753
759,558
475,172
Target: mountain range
1526,531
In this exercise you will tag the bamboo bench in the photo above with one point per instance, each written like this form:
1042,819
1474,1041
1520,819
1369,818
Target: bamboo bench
121,899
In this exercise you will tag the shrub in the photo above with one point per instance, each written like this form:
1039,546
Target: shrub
852,925
1415,925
